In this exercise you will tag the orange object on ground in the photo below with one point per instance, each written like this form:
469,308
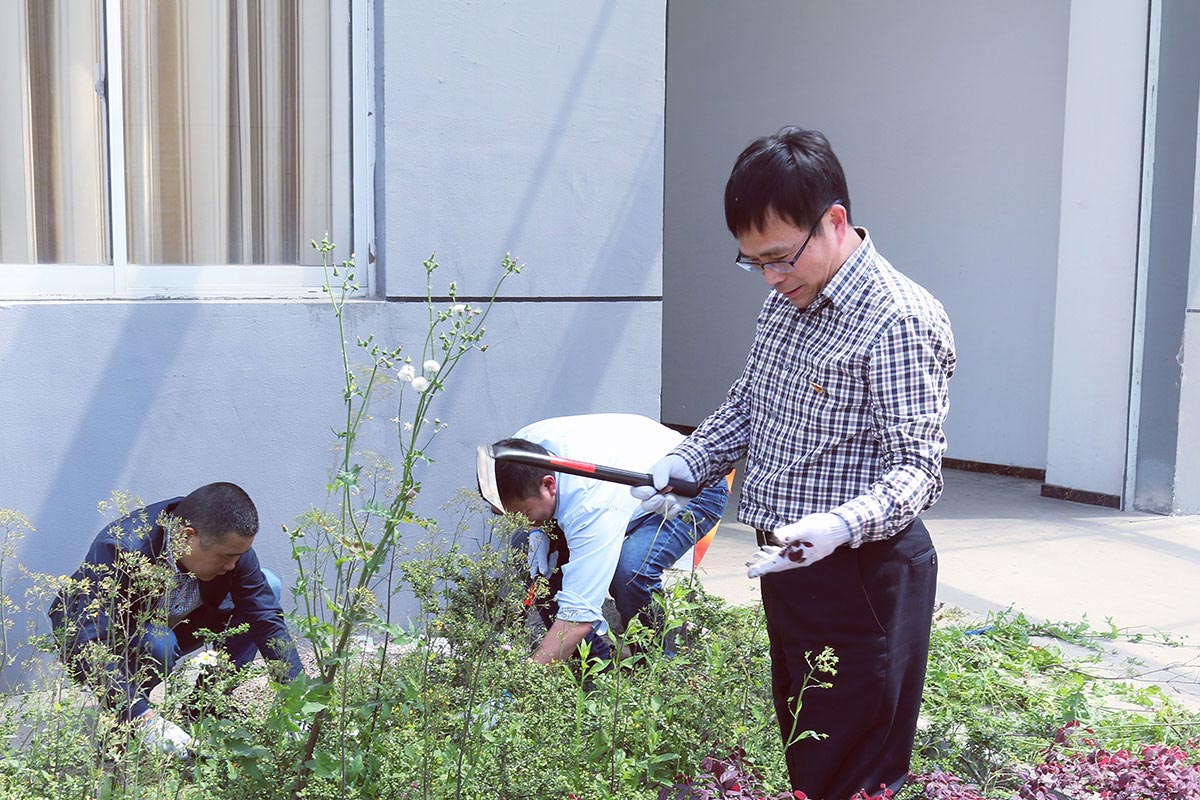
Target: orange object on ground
702,546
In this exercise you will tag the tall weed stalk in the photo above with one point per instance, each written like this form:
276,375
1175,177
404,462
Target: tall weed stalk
362,533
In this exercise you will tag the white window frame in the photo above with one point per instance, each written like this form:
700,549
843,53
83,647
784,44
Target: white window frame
123,280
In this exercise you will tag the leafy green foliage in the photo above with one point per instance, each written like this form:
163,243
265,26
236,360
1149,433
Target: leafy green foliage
996,695
448,704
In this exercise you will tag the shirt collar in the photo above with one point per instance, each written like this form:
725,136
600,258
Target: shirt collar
850,277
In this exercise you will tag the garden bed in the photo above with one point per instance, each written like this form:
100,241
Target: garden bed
470,716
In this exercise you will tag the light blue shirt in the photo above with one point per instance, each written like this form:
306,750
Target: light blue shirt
595,514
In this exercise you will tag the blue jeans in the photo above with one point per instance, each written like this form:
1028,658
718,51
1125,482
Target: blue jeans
159,648
656,544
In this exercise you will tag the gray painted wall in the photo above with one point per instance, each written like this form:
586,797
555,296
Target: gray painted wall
503,127
1173,209
1187,474
948,118
531,128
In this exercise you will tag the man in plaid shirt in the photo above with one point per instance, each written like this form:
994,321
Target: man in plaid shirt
839,414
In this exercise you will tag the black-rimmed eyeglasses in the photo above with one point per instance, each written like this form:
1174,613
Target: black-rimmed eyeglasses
789,264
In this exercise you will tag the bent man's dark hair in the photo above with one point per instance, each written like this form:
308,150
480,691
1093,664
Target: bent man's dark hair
793,173
217,509
519,481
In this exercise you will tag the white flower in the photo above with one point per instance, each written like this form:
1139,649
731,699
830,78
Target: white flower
420,384
408,427
206,659
458,308
406,373
431,366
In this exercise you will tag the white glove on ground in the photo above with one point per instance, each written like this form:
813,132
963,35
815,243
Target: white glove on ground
654,500
804,543
159,733
538,556
300,735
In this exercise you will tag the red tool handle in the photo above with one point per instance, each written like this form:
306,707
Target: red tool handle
588,470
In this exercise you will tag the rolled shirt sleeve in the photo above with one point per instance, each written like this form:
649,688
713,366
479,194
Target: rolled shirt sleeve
908,377
596,534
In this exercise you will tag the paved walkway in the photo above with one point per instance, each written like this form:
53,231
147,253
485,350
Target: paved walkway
1000,544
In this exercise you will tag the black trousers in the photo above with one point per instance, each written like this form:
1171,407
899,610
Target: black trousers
874,606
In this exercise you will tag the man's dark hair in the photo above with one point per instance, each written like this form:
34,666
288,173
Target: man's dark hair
519,481
217,509
793,173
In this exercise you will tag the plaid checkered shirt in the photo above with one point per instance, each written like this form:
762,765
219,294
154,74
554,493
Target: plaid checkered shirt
184,597
840,406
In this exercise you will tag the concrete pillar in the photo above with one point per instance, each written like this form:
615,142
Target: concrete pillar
1097,255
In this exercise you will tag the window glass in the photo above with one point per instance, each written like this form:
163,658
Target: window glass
236,129
53,170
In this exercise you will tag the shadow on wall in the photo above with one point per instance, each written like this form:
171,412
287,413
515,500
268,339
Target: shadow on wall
88,428
586,362
583,362
559,129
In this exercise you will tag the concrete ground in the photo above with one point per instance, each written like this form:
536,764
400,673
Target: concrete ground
1002,545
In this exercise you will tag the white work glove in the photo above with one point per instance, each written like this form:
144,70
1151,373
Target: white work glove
654,500
159,733
538,555
300,735
804,543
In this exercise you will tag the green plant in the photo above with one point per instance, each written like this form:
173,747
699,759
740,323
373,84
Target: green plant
13,528
358,538
455,708
588,729
68,744
996,695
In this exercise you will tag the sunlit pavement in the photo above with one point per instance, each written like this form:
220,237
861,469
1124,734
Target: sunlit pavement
1001,544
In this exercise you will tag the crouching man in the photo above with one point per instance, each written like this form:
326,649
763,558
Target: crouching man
601,543
151,582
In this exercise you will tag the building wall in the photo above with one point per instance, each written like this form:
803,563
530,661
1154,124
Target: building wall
520,127
1187,475
948,119
1097,259
1171,221
158,398
502,127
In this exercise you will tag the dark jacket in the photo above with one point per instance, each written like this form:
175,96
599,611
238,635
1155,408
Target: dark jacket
113,621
